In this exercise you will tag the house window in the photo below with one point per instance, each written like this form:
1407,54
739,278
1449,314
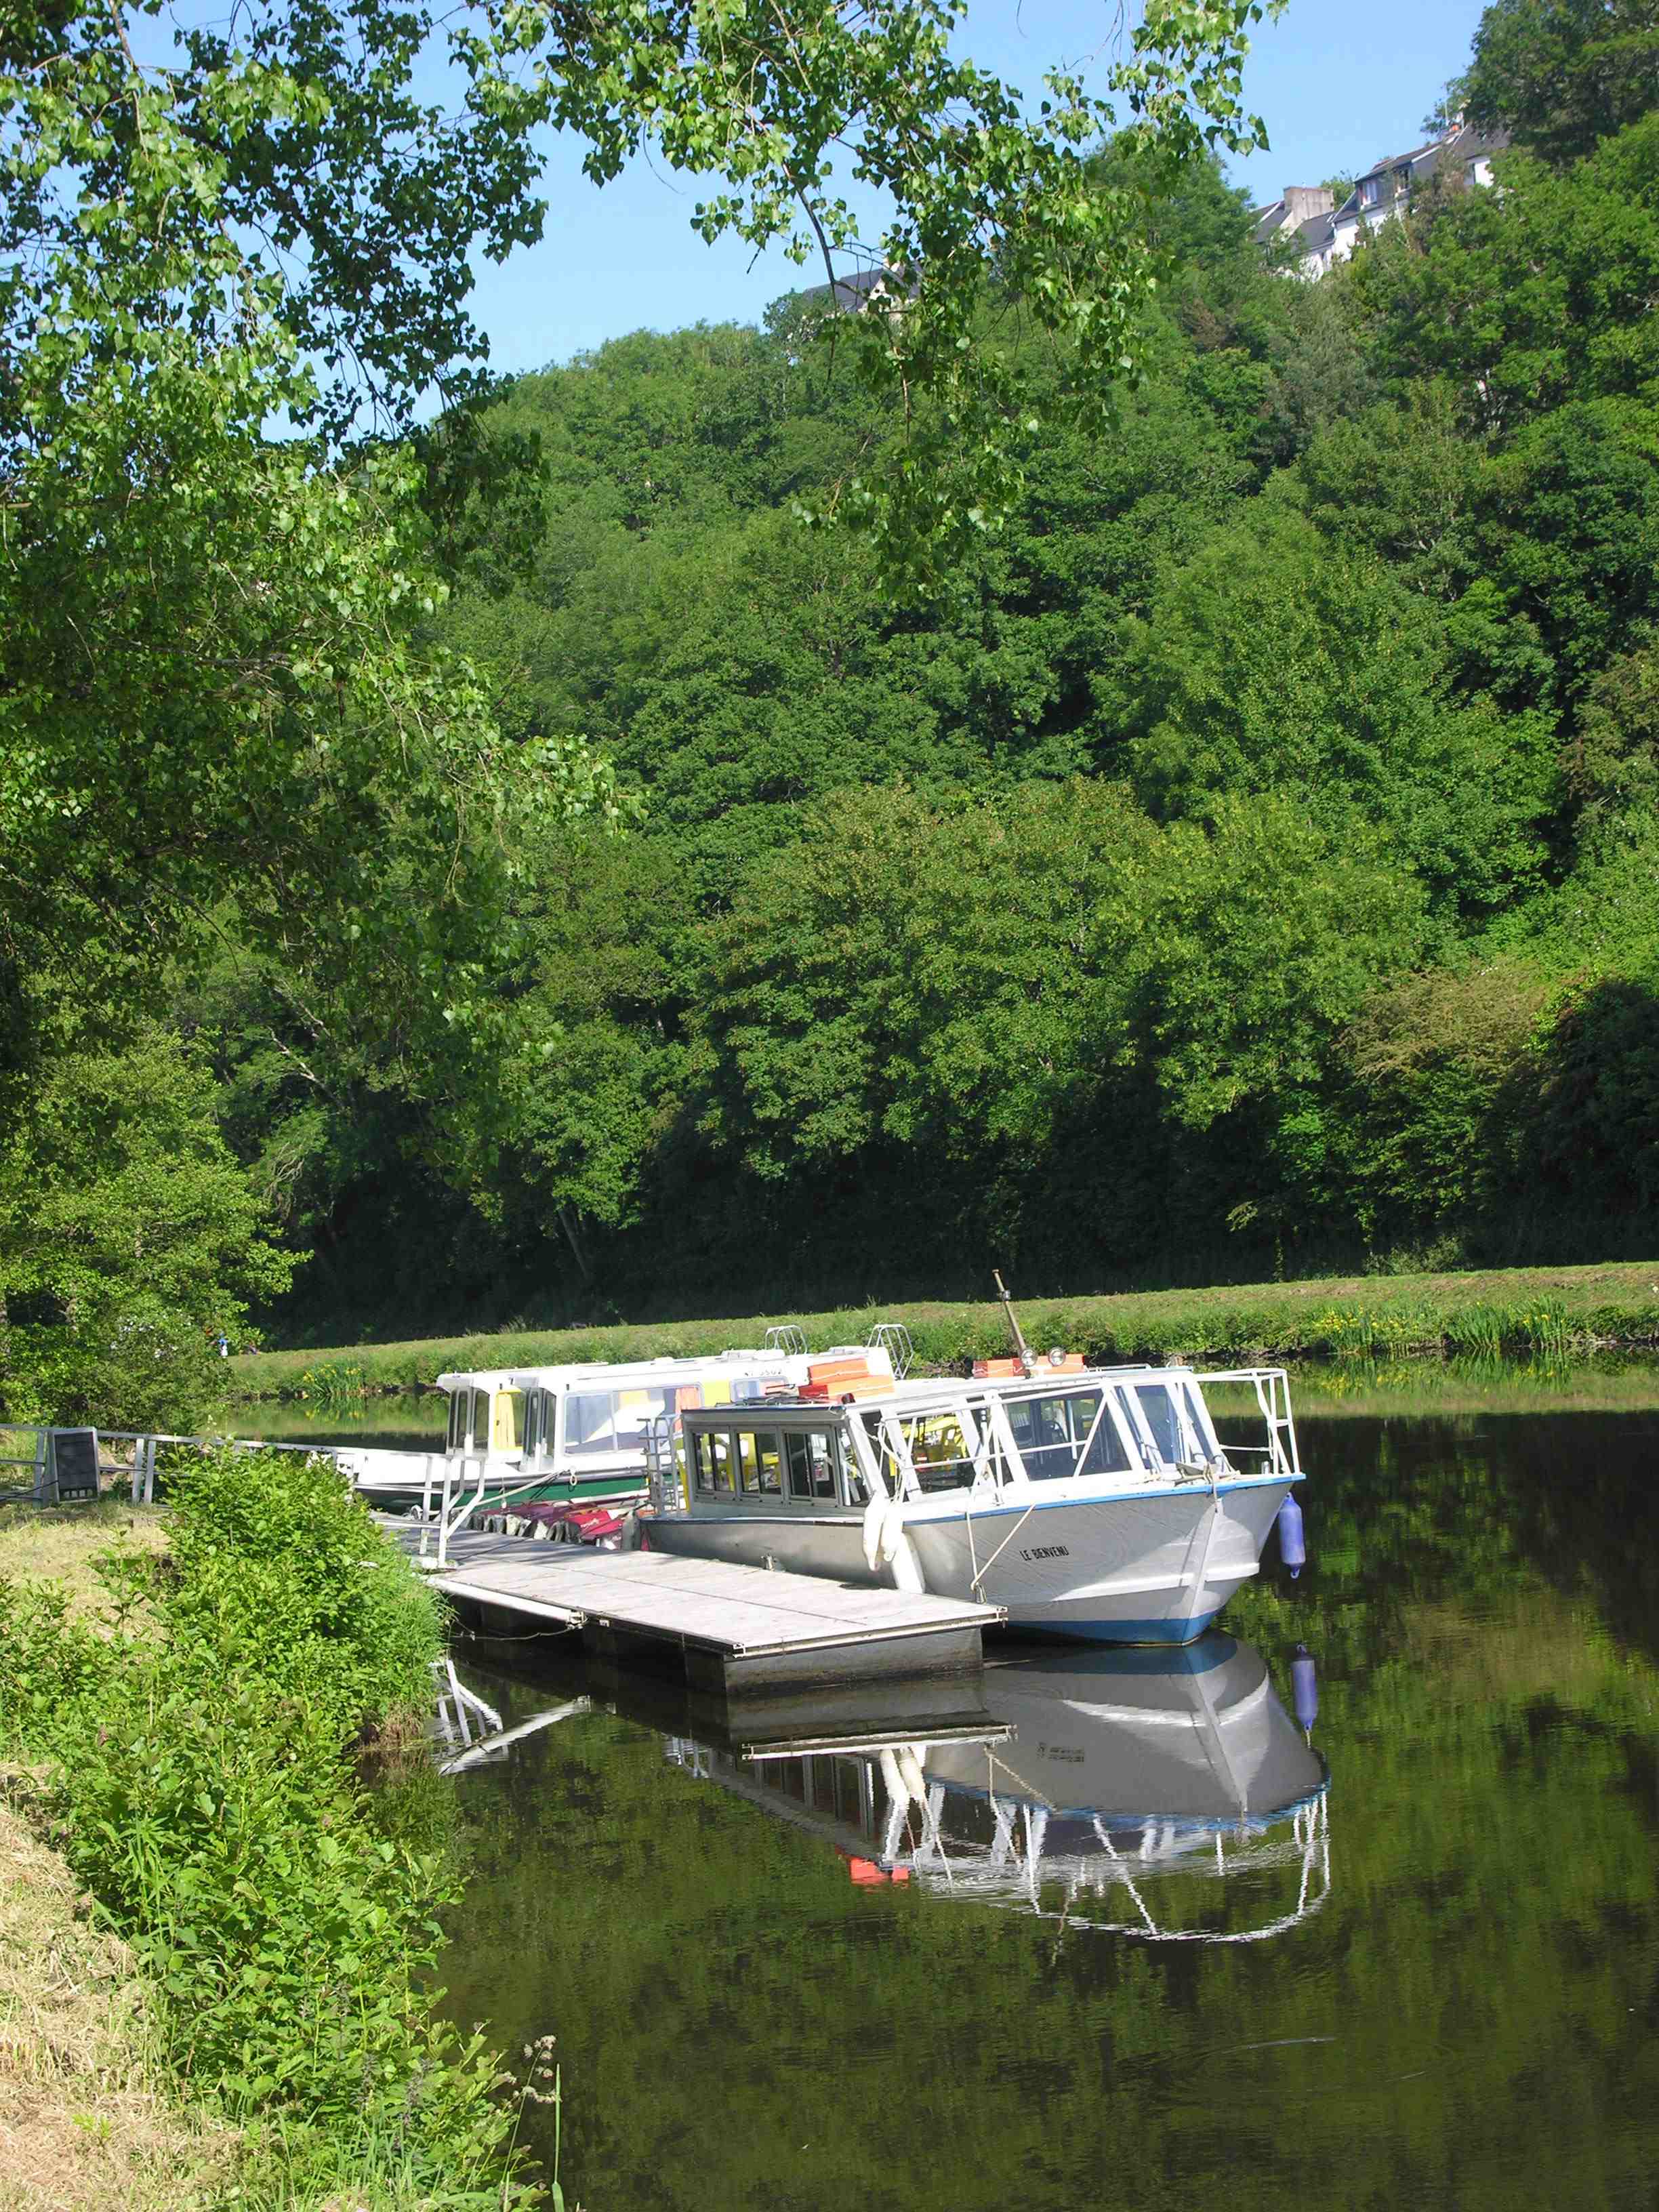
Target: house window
1371,191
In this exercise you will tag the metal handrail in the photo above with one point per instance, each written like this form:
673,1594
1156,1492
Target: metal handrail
1272,1385
893,1338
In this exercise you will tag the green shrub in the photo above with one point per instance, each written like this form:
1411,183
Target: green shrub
204,1790
281,1573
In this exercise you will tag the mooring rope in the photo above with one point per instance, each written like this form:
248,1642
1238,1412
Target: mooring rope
978,1583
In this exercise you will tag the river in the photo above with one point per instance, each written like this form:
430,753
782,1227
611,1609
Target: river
1114,1933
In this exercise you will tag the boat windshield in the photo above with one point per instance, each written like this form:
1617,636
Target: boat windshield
1066,1435
1171,1411
936,1443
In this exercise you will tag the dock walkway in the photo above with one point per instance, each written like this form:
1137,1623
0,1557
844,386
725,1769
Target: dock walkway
735,1626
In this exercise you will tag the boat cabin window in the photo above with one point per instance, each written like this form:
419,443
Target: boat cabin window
759,1462
611,1420
1053,1433
1203,1427
711,1463
1139,1435
1165,1408
506,1420
460,1406
811,1466
937,1447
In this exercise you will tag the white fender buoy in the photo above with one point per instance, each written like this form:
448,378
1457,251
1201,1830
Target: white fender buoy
907,1568
892,1781
910,1773
873,1514
891,1534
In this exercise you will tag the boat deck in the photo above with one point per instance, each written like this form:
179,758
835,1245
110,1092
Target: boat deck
733,1625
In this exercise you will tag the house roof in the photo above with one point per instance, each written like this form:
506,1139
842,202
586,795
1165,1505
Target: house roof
1311,235
1399,174
855,289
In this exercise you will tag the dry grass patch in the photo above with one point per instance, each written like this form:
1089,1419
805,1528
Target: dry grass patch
82,2128
58,1543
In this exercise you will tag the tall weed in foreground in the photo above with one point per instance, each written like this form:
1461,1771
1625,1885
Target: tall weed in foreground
203,1787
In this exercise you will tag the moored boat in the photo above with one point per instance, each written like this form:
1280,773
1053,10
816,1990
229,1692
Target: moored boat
1100,1504
580,1434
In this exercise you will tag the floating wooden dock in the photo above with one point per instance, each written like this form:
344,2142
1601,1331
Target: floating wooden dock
732,1627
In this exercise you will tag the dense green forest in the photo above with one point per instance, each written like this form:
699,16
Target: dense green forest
1217,839
1247,859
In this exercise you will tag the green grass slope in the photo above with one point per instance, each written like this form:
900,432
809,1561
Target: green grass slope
1502,1310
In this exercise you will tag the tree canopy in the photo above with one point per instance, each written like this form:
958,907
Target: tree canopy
1562,75
235,259
1112,758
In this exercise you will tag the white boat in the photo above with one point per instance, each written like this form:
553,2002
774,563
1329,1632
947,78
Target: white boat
582,1434
1095,1778
1099,1503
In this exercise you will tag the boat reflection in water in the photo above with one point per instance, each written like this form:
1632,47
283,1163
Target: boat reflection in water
1088,1778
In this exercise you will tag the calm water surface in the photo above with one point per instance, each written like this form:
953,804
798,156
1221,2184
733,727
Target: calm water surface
1111,1933
397,1420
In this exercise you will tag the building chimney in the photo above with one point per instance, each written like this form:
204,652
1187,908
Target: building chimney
1302,201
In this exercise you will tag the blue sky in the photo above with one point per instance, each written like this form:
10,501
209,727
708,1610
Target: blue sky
1338,86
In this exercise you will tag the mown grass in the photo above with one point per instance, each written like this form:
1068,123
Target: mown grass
58,1543
1508,1312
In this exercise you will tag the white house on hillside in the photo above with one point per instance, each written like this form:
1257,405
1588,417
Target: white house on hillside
1326,236
1387,187
1302,213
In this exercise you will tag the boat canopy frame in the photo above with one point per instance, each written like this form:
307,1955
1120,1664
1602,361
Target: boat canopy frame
880,1437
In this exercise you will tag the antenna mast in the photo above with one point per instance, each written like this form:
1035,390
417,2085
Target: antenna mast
1020,1345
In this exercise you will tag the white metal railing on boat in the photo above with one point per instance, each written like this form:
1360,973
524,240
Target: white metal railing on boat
1272,1385
458,1499
786,1338
893,1338
662,1467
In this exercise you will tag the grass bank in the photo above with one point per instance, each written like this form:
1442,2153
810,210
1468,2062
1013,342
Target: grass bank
85,2121
1495,1312
187,1729
63,1545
